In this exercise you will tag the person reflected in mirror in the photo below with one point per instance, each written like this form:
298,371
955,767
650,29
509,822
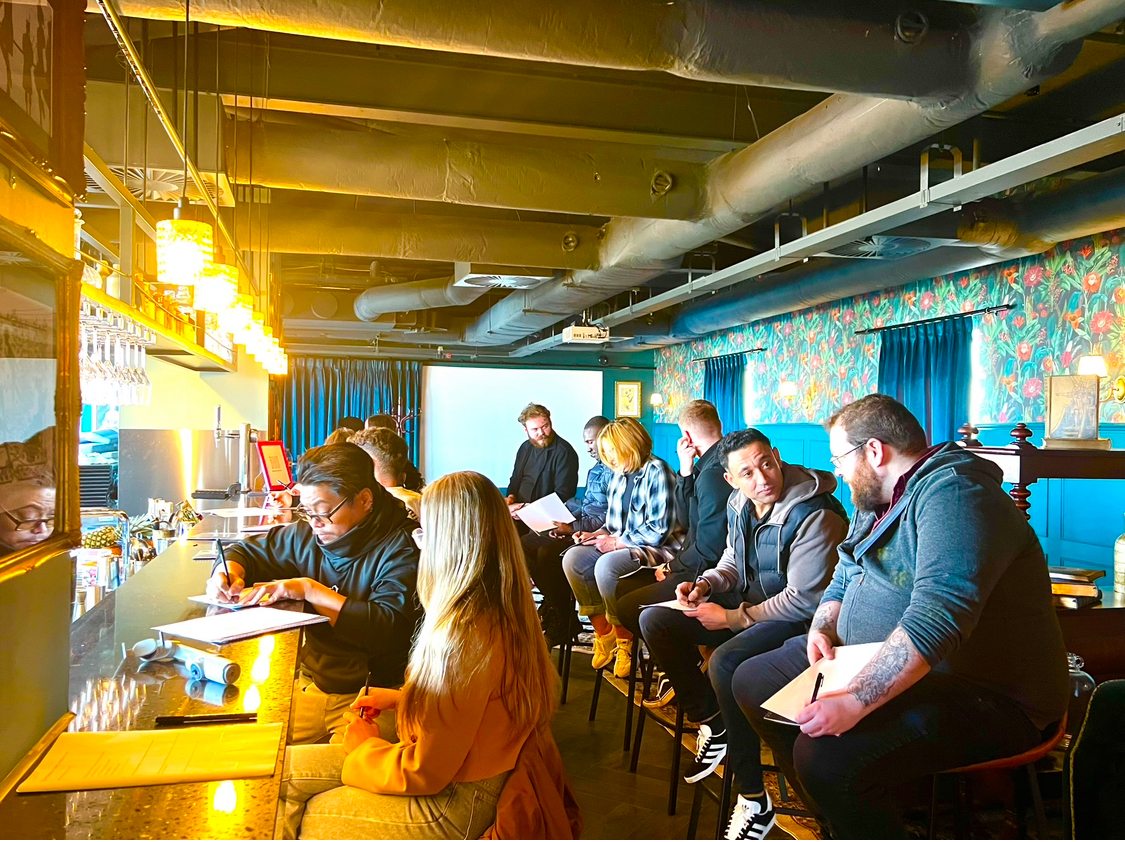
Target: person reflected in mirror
27,492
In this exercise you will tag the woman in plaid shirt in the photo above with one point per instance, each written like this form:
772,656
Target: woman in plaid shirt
641,530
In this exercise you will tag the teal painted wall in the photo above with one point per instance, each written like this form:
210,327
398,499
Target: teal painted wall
609,386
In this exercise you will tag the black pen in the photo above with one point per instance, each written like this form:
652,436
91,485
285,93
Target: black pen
223,558
205,719
816,687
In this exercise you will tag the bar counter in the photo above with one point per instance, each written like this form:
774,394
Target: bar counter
112,690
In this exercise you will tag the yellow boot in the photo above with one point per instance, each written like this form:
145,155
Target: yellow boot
623,666
603,649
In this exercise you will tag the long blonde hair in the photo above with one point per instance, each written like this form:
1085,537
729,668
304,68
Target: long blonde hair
624,445
472,577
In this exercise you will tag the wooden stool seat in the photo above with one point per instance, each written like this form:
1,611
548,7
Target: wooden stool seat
1032,755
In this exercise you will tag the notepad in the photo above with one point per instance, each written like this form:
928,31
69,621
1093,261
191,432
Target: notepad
239,625
674,604
112,759
541,515
791,699
203,599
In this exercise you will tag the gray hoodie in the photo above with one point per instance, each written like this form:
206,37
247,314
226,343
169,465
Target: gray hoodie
957,565
812,555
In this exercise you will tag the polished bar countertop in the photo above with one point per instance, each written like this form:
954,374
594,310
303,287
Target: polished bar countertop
112,690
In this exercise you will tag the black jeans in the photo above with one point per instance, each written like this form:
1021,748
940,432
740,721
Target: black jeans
544,562
852,781
641,589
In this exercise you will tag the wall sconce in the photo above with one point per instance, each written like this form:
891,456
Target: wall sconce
656,399
1093,364
787,389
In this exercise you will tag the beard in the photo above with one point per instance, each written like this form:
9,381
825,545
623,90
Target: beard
544,443
866,489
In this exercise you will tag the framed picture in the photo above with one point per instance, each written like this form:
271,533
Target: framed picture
1072,407
628,399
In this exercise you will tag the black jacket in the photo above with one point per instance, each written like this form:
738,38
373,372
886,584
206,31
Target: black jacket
375,566
702,498
539,471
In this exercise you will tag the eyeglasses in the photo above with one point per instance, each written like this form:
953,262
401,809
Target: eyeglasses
29,524
326,517
835,460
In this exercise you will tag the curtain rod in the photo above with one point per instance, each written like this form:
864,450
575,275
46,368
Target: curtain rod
996,308
732,354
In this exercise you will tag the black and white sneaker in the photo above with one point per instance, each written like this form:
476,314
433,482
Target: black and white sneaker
664,694
710,749
752,818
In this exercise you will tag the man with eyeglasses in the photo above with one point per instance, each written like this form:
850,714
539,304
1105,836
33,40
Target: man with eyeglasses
27,493
945,572
350,557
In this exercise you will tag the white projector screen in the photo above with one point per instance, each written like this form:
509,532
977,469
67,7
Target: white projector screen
469,416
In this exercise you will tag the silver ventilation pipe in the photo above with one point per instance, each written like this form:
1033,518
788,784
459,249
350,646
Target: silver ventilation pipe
419,295
920,51
1010,52
992,233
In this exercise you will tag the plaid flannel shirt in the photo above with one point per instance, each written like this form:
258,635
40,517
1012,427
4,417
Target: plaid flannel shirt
650,527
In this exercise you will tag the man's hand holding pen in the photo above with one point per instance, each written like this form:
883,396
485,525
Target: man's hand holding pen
693,594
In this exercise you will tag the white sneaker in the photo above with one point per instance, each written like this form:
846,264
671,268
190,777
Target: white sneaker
749,820
710,749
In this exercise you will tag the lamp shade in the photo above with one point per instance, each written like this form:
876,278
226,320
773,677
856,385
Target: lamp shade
1093,364
236,318
217,288
656,399
184,249
787,389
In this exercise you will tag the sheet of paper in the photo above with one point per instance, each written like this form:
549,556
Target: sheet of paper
239,625
203,599
112,759
674,604
541,515
791,699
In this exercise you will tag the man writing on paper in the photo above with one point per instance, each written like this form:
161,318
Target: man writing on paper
544,552
944,570
351,558
544,463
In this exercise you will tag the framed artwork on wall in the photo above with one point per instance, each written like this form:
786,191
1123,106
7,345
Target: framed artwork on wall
1071,419
627,403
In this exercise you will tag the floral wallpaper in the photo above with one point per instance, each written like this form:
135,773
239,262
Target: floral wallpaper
1070,301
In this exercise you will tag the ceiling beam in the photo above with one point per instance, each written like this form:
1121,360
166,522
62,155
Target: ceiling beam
296,230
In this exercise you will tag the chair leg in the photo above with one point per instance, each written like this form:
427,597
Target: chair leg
597,693
631,699
782,788
677,747
932,834
696,809
566,654
724,797
1037,801
642,714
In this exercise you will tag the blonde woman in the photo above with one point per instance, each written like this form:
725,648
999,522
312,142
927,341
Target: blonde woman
640,530
479,683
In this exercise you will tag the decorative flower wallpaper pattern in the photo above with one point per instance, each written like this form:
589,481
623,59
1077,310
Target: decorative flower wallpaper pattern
1070,301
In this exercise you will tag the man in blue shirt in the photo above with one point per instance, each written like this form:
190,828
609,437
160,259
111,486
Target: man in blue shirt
544,552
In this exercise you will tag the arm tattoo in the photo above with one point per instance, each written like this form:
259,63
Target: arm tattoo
824,620
877,678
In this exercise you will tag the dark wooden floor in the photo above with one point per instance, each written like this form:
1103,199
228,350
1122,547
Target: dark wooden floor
617,804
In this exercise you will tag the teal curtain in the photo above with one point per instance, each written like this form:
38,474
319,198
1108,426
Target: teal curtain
722,385
319,391
928,368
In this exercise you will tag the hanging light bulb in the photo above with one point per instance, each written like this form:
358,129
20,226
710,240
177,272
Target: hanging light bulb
217,288
236,318
184,249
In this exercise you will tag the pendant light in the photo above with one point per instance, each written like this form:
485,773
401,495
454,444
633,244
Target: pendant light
216,290
184,247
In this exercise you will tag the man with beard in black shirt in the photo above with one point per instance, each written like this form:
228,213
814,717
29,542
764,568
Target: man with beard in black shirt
544,463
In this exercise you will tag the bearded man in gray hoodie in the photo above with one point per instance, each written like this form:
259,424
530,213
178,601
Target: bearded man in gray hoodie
783,525
944,571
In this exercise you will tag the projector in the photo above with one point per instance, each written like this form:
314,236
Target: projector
588,334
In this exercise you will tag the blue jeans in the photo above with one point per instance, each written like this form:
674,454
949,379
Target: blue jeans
593,577
852,781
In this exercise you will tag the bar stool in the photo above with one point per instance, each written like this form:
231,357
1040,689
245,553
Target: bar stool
639,656
1025,761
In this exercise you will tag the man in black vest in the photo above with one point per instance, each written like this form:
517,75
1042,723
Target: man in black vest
783,526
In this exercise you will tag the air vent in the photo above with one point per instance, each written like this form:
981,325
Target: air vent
166,185
464,276
883,248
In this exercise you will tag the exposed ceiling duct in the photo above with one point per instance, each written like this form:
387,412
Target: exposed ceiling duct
445,237
992,233
1011,51
601,179
371,304
911,52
